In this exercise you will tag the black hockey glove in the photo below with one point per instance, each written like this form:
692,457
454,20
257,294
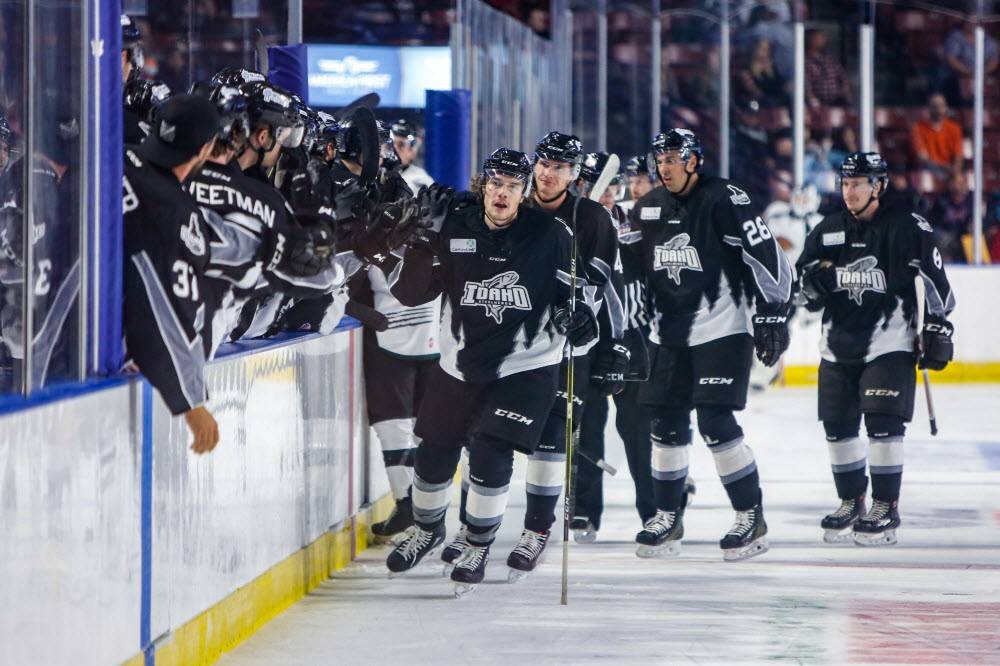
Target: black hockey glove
608,370
349,200
936,348
579,325
819,281
369,317
434,202
395,224
293,250
770,335
638,365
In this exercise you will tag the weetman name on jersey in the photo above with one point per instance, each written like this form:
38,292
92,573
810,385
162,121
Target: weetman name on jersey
497,294
675,255
208,194
860,276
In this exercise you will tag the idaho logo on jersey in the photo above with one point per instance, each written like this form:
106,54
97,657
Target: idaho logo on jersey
674,256
860,276
497,294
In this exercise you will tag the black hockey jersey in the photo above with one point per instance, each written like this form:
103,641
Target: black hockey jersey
707,257
873,310
630,266
500,289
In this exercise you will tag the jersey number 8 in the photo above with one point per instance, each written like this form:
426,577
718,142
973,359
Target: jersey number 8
756,231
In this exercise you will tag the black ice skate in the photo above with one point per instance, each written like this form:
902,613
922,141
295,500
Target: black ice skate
416,544
524,558
583,530
661,535
397,522
746,538
454,550
878,526
690,490
837,526
470,569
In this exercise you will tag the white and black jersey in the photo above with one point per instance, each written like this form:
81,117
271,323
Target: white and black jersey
412,331
499,291
597,254
786,226
707,257
872,312
634,297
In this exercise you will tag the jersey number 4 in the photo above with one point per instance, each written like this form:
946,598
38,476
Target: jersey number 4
186,284
756,231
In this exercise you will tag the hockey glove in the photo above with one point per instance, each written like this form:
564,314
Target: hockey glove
936,348
293,251
349,199
770,335
395,224
369,317
434,202
608,371
638,365
819,281
579,325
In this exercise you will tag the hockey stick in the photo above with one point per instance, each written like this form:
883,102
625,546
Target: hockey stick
600,463
921,291
608,173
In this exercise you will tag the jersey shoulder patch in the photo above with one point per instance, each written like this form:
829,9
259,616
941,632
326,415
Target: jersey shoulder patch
922,223
738,196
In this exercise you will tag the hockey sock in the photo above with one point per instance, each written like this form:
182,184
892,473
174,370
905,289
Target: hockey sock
491,464
885,435
670,436
463,467
434,469
398,448
734,460
545,474
848,457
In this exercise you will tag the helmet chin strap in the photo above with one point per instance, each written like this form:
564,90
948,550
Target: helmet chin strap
495,223
686,180
871,198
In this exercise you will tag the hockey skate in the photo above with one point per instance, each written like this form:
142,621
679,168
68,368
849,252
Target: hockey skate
470,569
878,526
690,490
398,521
837,526
583,530
416,544
747,537
454,550
526,554
661,535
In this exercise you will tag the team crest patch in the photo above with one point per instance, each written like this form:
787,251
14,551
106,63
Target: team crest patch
649,213
192,236
860,276
497,294
674,256
463,244
738,197
923,223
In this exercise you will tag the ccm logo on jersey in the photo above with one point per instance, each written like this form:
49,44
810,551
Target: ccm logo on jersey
497,294
860,276
514,416
882,393
716,380
674,256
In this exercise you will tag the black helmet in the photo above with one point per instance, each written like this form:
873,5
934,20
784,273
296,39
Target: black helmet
237,76
593,165
273,106
326,132
309,119
132,45
866,164
234,118
142,96
682,140
560,147
509,162
349,138
404,129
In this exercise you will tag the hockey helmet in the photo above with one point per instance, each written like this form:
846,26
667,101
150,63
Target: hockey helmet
870,165
560,147
404,129
237,76
681,140
143,96
804,201
132,45
509,162
275,107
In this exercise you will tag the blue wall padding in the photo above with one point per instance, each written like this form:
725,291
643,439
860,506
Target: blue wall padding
448,145
288,68
107,239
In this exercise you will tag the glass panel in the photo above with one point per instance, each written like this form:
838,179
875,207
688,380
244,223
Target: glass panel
55,208
426,23
690,73
629,76
11,192
585,85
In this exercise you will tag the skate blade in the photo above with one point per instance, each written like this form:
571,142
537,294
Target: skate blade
837,537
462,589
446,571
663,551
516,575
585,536
887,538
752,549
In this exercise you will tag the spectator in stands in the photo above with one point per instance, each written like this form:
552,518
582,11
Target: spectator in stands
960,64
769,20
759,80
750,150
826,79
937,141
842,143
951,217
901,191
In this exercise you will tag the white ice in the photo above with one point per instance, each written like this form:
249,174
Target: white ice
932,599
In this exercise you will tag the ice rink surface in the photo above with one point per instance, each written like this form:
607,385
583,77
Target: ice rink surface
932,599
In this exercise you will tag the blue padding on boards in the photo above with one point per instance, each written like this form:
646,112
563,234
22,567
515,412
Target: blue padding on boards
448,151
146,528
288,68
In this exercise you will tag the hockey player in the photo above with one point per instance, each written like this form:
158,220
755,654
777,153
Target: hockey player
507,309
632,419
407,144
708,258
859,266
640,180
133,57
141,96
